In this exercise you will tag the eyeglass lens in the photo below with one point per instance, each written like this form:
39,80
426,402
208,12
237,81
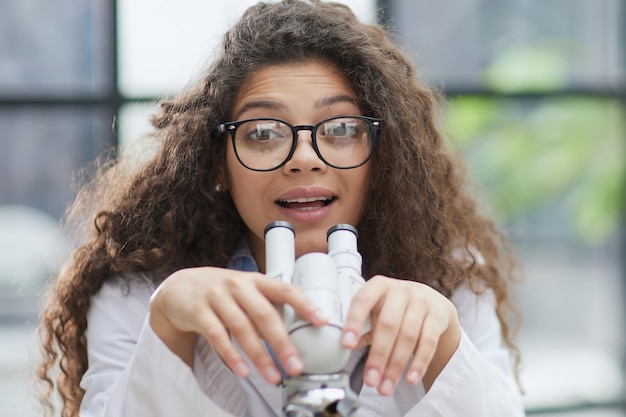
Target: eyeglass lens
266,144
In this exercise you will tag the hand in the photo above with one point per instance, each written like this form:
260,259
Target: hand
411,322
215,303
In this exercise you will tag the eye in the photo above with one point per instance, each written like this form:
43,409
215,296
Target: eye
261,132
342,129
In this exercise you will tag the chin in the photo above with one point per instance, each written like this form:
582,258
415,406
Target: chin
311,242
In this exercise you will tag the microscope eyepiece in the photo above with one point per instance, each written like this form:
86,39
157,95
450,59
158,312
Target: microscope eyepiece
342,226
279,223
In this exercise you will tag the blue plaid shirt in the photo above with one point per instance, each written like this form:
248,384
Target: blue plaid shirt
242,259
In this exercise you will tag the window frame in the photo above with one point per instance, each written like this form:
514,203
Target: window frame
113,100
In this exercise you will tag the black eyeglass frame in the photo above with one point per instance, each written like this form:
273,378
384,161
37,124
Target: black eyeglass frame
374,125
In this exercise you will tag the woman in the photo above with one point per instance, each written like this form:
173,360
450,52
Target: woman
250,145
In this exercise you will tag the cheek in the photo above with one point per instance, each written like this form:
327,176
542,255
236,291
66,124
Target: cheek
359,183
247,189
242,182
241,188
364,178
237,181
231,164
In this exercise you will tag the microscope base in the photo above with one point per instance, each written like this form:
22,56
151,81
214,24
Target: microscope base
325,395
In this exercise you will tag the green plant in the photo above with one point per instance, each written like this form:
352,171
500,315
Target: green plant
528,153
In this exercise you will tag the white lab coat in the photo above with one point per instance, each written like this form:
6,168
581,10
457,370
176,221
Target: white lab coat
132,373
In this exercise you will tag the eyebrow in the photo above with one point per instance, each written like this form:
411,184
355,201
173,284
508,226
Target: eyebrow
274,105
329,101
260,104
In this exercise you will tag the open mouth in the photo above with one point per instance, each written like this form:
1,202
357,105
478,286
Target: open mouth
309,203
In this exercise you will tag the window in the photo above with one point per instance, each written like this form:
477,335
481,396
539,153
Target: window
534,104
535,93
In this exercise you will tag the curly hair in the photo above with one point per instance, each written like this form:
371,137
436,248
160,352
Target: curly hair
419,223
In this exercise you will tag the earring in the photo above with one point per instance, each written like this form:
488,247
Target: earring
218,187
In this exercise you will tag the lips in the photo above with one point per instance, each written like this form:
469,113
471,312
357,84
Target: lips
304,203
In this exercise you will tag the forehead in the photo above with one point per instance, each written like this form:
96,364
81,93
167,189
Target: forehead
296,69
282,84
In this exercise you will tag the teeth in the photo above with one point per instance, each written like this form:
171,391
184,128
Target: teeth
306,200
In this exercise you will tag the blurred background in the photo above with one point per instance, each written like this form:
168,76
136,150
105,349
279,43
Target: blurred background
535,100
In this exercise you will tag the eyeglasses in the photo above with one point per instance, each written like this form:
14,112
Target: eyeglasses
342,142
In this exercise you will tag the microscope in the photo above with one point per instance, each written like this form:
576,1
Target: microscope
330,280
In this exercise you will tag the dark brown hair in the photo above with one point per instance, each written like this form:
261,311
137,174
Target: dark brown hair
420,223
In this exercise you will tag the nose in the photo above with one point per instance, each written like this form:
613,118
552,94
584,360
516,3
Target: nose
304,158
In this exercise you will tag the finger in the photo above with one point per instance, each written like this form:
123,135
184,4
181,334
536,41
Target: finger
271,328
216,334
364,340
283,293
242,329
425,351
404,347
361,305
385,334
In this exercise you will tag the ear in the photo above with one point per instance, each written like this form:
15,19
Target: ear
220,182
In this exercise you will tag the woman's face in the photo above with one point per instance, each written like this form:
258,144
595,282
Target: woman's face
305,191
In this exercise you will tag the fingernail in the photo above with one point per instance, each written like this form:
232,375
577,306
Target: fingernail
271,374
387,386
318,316
372,377
413,377
349,339
294,365
241,370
